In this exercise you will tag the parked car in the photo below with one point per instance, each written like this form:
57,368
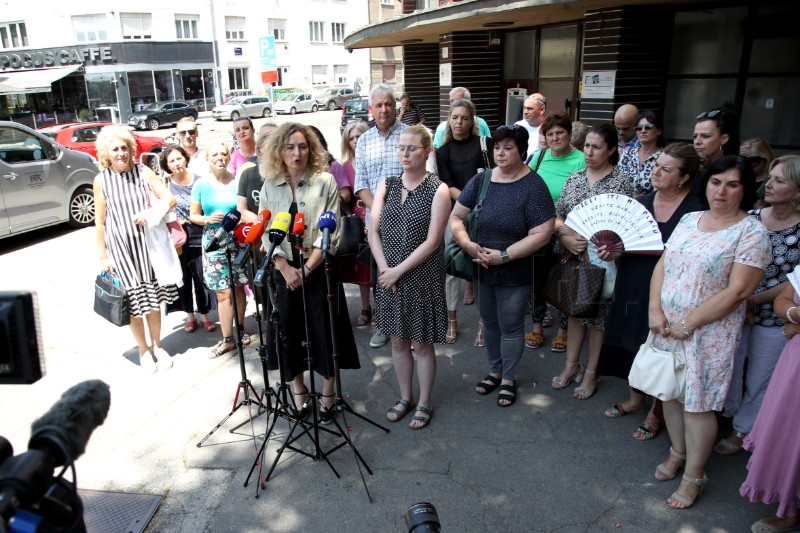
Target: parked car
334,98
161,114
41,182
80,136
354,110
248,106
296,102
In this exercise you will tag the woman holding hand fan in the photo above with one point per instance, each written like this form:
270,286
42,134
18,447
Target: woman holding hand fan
626,328
600,176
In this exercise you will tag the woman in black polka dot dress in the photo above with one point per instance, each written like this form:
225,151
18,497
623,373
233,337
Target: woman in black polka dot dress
406,231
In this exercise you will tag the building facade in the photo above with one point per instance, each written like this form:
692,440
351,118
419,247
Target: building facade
679,58
93,60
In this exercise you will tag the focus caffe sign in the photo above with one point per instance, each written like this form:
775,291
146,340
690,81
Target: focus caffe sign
56,57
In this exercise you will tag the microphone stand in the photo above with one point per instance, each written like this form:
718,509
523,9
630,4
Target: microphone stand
244,385
340,404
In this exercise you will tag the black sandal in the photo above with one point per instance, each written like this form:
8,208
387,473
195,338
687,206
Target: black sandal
302,412
421,419
327,414
505,396
398,414
488,388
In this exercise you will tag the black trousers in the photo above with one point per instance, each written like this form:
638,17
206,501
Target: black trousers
191,260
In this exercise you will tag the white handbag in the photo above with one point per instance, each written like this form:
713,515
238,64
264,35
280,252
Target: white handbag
659,373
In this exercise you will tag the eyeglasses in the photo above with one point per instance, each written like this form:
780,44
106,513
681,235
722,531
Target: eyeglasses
709,114
755,160
643,127
187,132
411,148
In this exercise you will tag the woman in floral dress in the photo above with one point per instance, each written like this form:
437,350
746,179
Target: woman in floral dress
713,261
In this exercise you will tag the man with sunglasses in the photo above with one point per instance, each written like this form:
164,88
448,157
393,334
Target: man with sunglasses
186,130
533,111
624,121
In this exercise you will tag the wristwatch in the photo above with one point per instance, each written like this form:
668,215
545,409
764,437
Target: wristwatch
504,256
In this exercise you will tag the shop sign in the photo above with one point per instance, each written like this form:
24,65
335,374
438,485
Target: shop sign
598,84
56,57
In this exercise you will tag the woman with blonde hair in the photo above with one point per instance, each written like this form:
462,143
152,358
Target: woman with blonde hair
292,163
213,197
350,269
759,155
120,197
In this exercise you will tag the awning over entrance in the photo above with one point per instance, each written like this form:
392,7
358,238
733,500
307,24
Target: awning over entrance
32,81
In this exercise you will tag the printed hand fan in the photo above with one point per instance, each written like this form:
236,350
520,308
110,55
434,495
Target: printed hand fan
618,222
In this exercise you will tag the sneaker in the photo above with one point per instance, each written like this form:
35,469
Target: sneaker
163,360
378,340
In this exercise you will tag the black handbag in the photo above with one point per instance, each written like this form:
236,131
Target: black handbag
574,286
457,262
111,300
351,235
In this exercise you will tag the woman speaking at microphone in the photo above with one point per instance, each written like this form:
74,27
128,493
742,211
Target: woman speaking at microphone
292,163
212,197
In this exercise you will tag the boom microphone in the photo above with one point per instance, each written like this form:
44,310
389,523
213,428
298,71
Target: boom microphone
327,223
229,222
70,422
253,237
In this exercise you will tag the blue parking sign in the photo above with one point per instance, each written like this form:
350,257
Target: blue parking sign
266,51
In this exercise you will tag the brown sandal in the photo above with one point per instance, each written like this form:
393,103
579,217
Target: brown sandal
534,340
364,317
559,344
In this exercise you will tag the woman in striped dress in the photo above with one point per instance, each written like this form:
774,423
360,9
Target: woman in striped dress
119,199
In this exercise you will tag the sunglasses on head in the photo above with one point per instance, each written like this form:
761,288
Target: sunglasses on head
755,160
709,114
187,132
641,127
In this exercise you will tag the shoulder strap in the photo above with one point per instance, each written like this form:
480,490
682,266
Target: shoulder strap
485,152
539,161
487,177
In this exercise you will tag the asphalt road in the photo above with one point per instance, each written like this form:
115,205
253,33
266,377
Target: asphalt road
548,463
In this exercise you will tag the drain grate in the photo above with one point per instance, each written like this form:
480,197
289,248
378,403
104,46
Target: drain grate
118,512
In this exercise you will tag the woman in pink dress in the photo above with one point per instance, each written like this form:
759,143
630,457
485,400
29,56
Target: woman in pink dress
774,469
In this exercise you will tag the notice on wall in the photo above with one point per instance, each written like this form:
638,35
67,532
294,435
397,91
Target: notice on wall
598,84
445,74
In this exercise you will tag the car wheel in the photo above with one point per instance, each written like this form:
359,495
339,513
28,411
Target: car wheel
292,111
331,105
266,112
81,207
234,115
314,108
153,124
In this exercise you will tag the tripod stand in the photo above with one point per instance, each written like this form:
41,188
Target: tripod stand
340,405
282,407
244,386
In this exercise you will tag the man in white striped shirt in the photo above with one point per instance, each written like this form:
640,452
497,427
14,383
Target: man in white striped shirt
378,158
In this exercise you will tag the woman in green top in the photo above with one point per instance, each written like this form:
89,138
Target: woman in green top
554,164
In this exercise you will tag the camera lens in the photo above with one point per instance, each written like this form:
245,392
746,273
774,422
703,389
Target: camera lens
422,517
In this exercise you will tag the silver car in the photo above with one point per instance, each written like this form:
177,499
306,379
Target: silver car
295,103
41,182
243,106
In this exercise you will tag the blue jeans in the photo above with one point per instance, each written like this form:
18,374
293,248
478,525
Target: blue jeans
503,312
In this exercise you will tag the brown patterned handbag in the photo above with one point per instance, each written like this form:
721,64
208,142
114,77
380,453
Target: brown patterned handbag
574,286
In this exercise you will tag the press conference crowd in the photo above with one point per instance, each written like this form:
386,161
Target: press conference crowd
426,223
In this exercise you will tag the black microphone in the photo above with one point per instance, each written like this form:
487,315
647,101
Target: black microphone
220,238
327,223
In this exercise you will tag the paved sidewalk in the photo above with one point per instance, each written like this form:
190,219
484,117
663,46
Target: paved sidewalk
548,463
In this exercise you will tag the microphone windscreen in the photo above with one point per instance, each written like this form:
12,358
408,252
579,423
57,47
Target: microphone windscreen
327,220
71,421
281,222
299,225
230,219
258,227
242,232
